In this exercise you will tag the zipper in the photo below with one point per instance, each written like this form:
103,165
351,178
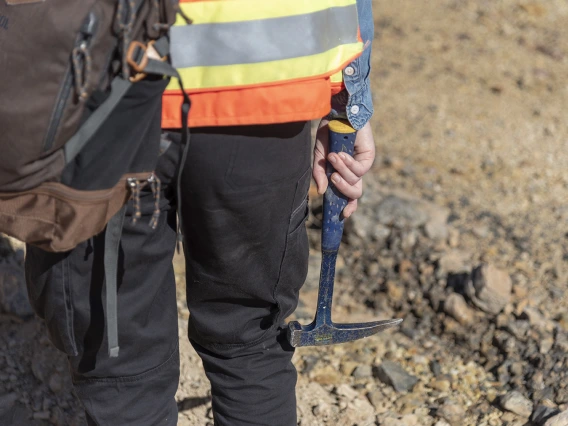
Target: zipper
58,111
83,40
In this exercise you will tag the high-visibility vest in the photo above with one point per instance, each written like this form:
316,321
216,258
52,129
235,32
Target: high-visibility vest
259,61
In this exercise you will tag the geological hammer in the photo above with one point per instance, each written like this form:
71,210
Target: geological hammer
322,330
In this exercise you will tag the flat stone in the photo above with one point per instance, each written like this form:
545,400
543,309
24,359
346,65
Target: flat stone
451,412
326,375
454,262
347,392
456,306
535,317
358,411
379,401
517,403
393,374
558,420
545,345
441,385
363,371
489,288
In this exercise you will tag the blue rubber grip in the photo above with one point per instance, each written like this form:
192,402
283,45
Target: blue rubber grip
334,201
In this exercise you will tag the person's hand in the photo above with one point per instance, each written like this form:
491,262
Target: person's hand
348,170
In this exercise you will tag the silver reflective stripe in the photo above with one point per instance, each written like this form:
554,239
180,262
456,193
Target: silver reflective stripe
273,39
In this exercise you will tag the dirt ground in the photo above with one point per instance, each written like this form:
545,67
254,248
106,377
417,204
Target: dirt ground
472,96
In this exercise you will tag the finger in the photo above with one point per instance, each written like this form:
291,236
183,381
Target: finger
358,166
343,169
365,148
318,173
350,191
321,149
350,208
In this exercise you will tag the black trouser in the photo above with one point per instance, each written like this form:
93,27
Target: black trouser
244,202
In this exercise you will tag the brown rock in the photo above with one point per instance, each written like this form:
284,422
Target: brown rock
489,288
456,306
454,262
379,401
359,412
441,385
451,412
347,392
558,420
395,291
437,226
326,375
517,403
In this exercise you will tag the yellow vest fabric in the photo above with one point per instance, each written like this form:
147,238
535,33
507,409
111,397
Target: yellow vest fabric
265,61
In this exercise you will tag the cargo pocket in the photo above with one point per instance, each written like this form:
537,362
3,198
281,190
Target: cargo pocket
50,294
294,267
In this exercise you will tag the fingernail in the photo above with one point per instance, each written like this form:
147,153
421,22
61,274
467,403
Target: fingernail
335,179
332,159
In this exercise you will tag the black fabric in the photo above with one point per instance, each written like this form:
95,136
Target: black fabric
128,142
244,206
91,126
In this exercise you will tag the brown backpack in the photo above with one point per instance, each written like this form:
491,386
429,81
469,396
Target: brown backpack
64,67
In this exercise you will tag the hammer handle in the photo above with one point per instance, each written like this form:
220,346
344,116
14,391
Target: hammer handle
341,139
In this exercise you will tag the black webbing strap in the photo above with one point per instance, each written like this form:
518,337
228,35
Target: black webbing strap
162,46
119,87
112,247
161,68
164,68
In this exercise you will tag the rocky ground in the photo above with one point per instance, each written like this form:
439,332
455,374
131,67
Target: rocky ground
463,232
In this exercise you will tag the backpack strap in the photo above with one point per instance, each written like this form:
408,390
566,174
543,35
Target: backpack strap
112,246
119,87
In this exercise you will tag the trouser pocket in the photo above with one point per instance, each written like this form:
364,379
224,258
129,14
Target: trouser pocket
294,267
51,296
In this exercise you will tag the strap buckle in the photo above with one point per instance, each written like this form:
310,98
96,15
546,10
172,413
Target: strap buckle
138,56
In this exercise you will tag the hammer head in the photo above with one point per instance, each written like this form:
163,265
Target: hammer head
316,334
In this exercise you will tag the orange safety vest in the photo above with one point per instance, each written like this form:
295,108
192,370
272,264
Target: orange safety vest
259,62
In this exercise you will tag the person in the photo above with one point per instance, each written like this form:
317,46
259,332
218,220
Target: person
244,203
